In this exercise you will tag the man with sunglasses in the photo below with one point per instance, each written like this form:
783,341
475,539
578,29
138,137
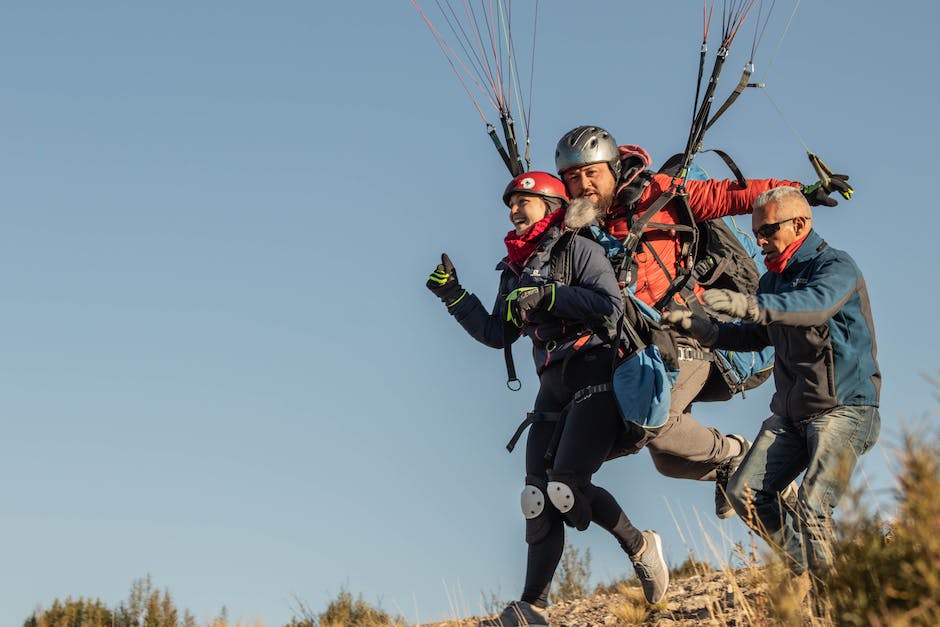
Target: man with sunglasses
813,307
616,179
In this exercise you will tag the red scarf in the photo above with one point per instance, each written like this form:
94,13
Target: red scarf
777,265
520,247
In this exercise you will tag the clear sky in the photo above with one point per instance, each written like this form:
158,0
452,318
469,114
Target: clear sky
220,365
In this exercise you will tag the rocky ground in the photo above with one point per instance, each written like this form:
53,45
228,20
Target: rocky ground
725,598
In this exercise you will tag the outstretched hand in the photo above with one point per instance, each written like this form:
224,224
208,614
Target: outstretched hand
734,304
818,193
687,323
443,282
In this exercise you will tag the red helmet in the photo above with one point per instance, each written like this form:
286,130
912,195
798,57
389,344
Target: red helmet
538,184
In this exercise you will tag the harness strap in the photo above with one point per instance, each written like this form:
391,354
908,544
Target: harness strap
585,393
632,239
512,381
731,165
743,83
659,260
531,418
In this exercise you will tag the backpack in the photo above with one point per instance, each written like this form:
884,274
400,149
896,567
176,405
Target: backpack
718,254
642,376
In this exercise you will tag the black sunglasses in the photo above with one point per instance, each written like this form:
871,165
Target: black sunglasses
767,230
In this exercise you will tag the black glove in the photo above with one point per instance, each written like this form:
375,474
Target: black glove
735,304
687,323
443,282
818,193
523,300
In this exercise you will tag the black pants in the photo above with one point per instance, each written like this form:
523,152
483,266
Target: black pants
587,436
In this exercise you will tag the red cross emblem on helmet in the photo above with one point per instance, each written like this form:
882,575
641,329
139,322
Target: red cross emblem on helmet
538,184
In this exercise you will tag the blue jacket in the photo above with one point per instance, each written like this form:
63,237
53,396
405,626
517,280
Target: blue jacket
817,316
583,316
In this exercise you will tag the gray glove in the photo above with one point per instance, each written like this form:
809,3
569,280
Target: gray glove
735,304
687,323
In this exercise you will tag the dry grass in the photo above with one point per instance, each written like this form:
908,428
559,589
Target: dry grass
631,607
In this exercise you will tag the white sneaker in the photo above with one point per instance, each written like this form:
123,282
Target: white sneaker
651,568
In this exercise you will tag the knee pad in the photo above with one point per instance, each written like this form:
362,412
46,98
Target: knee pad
537,521
569,498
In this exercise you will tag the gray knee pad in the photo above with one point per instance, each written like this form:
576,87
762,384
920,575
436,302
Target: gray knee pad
533,501
569,499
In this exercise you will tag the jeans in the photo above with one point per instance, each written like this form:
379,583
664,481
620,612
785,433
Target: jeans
827,446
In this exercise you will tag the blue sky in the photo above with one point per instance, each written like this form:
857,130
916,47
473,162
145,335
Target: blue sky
220,365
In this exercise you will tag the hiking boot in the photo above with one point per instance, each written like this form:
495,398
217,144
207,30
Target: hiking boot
516,614
651,569
723,508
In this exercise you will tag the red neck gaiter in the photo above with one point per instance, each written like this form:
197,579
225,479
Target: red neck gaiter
520,247
777,265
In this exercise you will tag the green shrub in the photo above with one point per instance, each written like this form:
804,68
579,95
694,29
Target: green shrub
344,611
572,580
889,572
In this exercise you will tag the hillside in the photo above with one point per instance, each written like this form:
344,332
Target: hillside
733,598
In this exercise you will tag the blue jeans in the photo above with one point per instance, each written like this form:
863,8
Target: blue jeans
827,446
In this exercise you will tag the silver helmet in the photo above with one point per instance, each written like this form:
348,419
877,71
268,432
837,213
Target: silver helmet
585,145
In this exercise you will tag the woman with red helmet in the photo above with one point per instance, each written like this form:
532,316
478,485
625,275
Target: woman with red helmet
574,426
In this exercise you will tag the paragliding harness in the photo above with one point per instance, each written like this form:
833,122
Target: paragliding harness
713,254
642,376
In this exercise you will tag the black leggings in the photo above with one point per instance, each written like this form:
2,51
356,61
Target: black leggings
587,438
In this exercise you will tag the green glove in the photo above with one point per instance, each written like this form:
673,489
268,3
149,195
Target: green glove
523,300
687,323
818,193
443,282
735,304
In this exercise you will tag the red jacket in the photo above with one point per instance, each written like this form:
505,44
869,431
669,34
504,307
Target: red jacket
707,200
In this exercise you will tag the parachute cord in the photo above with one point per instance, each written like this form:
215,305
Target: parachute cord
497,52
787,122
761,29
478,75
526,119
780,41
707,18
447,51
472,18
703,50
744,83
466,44
506,21
515,82
733,16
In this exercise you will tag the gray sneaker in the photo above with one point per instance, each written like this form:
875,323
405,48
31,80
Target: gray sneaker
516,614
723,508
651,568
